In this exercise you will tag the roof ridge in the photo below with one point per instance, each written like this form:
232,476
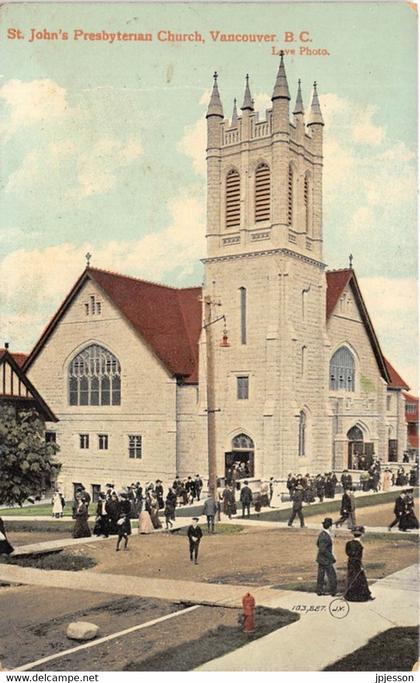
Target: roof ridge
138,279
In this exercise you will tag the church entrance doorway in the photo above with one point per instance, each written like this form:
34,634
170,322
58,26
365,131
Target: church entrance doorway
360,452
239,462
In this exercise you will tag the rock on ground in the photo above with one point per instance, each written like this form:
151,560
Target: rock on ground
82,630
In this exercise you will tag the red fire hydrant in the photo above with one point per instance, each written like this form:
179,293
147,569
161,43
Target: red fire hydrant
248,606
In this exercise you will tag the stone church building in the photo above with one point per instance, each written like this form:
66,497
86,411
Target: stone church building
301,385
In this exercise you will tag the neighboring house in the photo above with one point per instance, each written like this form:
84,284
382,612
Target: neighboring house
303,385
17,390
412,420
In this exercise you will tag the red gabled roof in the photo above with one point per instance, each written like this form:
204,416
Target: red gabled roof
20,358
410,398
337,281
396,381
168,319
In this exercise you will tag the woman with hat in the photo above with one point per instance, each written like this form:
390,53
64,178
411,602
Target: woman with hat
357,589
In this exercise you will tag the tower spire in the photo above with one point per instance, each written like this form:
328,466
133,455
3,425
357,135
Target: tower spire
234,114
299,102
281,88
215,107
316,115
247,103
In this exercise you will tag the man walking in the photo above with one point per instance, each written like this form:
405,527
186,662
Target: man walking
297,500
194,536
210,509
246,499
399,509
326,559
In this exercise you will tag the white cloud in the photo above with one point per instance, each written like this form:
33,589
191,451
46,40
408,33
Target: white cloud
93,168
34,282
364,130
38,101
193,145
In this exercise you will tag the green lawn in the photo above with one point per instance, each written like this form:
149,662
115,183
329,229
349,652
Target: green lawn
44,510
330,505
394,650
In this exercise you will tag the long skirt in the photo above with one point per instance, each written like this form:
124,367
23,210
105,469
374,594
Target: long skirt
145,523
154,516
408,521
357,586
81,528
5,547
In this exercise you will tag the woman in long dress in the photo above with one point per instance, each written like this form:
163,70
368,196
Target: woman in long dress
145,523
57,505
154,512
387,480
357,589
5,547
81,527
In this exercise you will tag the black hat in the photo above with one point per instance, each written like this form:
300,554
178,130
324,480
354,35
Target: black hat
195,519
358,530
327,522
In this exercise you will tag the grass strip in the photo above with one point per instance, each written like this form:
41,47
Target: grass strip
393,650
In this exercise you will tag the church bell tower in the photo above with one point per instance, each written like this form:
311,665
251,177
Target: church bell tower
264,266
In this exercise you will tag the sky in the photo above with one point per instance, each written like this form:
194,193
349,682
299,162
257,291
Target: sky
103,146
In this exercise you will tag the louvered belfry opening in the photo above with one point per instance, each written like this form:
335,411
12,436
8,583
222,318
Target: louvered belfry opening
290,198
262,193
233,199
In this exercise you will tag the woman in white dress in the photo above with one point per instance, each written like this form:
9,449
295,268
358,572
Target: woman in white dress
57,503
387,480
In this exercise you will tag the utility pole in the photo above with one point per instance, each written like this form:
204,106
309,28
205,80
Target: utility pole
211,394
211,414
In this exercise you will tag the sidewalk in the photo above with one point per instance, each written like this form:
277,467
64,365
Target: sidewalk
325,639
318,639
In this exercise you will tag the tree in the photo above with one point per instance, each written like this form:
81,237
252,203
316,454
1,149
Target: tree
27,462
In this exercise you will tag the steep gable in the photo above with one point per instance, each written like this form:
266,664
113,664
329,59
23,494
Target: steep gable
16,387
168,319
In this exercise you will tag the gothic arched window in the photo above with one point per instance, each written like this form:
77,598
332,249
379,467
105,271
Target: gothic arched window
302,434
262,193
307,200
233,199
242,441
290,198
94,378
342,370
242,303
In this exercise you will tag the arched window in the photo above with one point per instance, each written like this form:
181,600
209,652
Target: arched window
262,193
342,370
233,199
242,441
302,435
290,197
242,295
307,200
94,378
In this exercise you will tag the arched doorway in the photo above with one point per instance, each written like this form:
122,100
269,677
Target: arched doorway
360,452
239,462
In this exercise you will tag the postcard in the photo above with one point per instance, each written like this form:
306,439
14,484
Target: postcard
208,353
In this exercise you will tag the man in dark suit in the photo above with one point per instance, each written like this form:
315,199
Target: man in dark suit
246,499
399,509
297,500
346,480
345,509
326,559
194,536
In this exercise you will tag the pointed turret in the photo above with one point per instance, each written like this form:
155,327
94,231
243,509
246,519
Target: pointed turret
215,107
281,88
299,102
316,115
234,114
247,103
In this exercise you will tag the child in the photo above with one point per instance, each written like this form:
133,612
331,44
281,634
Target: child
169,513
